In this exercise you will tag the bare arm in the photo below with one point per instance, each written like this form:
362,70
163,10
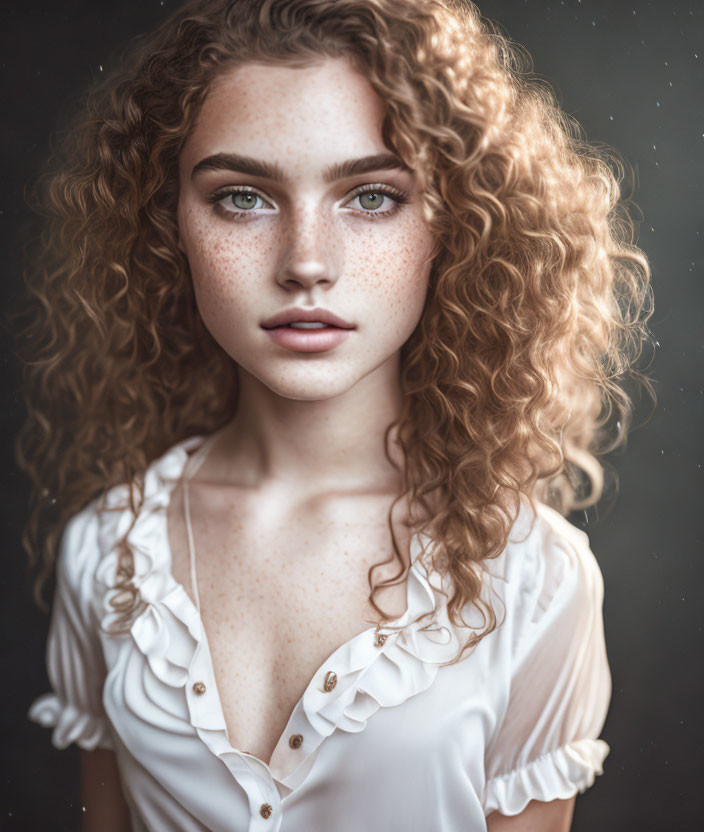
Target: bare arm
101,793
555,816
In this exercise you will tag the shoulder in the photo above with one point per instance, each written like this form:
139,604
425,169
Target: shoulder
77,560
79,551
547,572
543,548
89,542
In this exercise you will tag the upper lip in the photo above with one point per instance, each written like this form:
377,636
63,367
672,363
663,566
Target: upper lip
310,315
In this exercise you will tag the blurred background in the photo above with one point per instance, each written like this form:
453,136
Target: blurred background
633,74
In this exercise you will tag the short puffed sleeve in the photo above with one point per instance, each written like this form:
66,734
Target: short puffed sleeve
547,744
74,658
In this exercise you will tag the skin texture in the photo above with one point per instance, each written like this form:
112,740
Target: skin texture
300,479
555,816
308,424
315,245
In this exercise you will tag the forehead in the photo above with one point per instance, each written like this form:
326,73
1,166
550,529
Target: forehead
297,116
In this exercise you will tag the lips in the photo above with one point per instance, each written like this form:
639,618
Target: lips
317,315
320,339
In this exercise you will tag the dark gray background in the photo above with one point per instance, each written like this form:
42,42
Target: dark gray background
632,74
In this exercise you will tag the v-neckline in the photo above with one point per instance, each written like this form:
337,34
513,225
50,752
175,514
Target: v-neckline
348,647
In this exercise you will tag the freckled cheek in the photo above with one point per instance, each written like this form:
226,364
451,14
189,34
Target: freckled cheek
226,268
393,270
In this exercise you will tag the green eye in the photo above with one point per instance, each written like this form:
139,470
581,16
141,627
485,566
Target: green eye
371,200
244,200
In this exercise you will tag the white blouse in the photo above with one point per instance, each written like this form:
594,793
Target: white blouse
395,743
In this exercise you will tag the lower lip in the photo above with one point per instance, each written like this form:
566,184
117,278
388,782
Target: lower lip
308,340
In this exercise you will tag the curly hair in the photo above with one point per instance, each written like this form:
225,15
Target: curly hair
515,379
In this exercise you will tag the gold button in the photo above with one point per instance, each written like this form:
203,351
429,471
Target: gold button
330,681
265,810
198,688
295,740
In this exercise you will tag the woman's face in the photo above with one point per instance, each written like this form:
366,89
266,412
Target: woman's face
282,207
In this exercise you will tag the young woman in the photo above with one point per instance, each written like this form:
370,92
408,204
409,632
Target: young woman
330,326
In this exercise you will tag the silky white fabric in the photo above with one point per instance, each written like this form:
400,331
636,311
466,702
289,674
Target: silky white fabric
399,743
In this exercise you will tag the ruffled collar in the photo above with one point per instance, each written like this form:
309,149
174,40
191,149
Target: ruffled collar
146,539
170,634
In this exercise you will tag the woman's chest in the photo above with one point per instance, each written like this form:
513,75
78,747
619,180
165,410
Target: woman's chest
265,651
272,620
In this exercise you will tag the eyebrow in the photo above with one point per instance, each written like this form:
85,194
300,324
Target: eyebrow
265,170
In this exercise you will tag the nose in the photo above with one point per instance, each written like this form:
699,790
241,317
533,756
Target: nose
311,252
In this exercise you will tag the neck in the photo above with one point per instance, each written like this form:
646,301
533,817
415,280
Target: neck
313,447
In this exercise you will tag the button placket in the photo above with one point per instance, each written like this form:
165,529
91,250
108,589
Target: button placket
267,814
253,775
202,703
290,762
263,795
298,743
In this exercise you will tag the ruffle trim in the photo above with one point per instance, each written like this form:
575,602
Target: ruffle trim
169,633
89,731
404,667
145,539
555,775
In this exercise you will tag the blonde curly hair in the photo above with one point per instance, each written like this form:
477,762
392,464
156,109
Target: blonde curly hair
535,317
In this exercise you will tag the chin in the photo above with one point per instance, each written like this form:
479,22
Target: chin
308,384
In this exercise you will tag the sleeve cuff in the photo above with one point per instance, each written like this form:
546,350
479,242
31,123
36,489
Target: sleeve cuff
71,725
555,775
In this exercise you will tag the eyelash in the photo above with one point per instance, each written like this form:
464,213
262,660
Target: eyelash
399,198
